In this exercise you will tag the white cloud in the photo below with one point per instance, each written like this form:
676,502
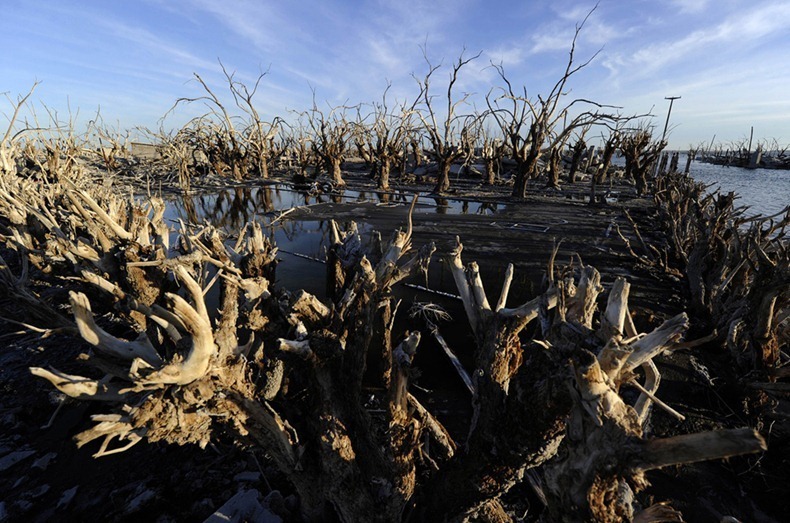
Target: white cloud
255,23
507,56
558,34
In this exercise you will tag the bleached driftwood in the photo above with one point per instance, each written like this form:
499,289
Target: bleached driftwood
96,336
79,387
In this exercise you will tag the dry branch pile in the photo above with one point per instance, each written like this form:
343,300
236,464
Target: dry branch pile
737,267
295,375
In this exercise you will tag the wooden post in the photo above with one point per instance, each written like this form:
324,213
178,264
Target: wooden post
754,158
751,136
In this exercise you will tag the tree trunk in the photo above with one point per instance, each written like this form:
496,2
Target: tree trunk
578,151
236,169
689,160
336,172
384,174
524,170
640,178
443,176
554,169
417,150
603,169
491,171
263,168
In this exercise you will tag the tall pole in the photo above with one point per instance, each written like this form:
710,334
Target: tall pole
666,124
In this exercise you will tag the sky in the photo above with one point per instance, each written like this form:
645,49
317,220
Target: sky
727,59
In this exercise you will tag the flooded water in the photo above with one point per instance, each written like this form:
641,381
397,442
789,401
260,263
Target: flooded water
764,191
230,209
303,243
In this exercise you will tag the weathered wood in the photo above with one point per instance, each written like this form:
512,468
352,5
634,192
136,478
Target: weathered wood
93,334
657,341
457,365
79,387
437,431
653,378
690,448
613,320
582,305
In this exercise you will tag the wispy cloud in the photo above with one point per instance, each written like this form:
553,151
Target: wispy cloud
558,34
145,39
252,21
741,28
507,56
691,6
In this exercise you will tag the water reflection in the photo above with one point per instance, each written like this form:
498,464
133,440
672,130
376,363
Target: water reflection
229,209
303,244
442,204
487,208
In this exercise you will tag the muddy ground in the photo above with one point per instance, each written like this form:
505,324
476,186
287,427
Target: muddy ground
44,477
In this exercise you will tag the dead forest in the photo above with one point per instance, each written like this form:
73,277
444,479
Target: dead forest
177,334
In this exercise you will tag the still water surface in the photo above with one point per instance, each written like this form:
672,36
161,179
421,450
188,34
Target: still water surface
764,191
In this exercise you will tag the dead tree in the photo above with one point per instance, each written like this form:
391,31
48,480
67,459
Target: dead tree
11,143
514,383
216,132
492,149
111,145
736,267
445,137
55,152
234,146
331,133
177,152
417,150
363,142
641,153
389,131
602,169
554,169
300,149
577,152
693,151
258,135
51,149
208,379
529,125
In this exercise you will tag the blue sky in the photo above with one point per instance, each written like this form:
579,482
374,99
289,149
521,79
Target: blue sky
728,59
